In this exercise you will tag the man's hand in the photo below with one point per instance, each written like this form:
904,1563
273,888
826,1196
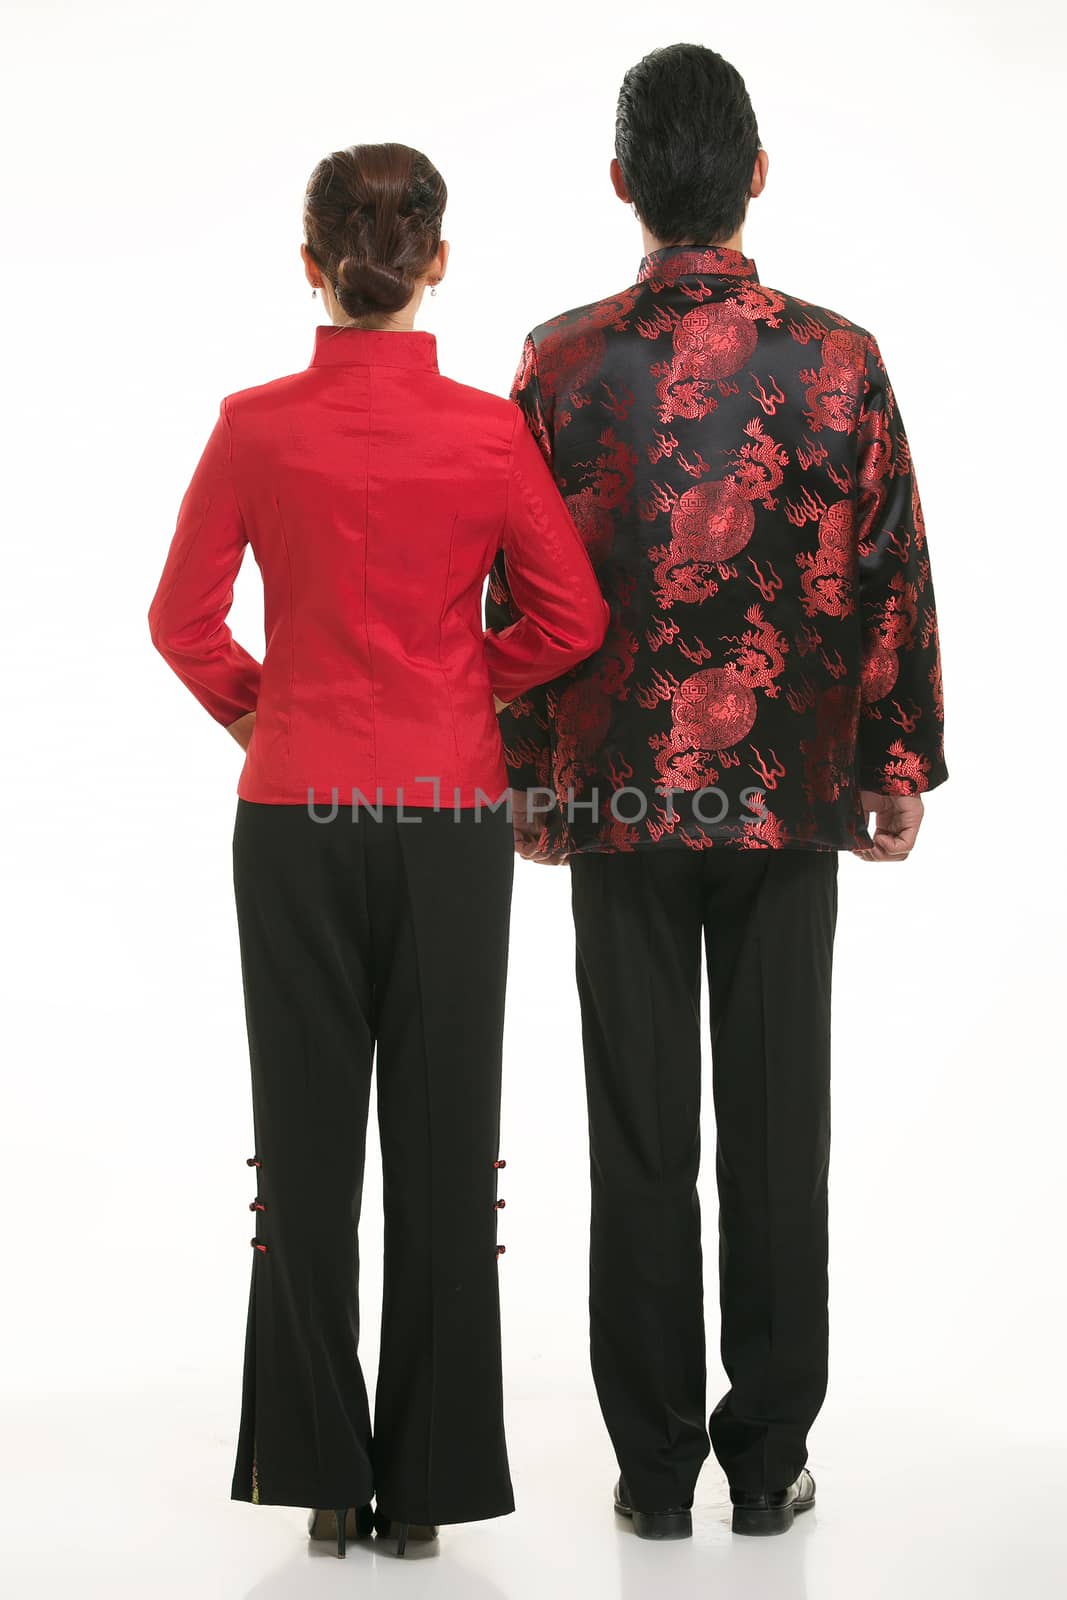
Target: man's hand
528,813
896,825
243,728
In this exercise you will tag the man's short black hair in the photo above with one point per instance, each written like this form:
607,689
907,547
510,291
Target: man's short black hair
686,140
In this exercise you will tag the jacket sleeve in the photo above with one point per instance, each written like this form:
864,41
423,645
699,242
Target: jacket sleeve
525,723
901,736
562,615
187,617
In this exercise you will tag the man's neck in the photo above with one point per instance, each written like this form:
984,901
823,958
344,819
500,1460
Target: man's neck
652,243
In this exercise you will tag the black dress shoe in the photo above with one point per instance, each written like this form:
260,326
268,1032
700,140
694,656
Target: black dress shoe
675,1522
773,1511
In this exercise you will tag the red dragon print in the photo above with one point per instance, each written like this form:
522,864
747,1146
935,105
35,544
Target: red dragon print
615,661
905,772
709,523
937,687
766,832
879,671
829,756
583,716
760,464
759,654
893,630
667,271
710,711
827,576
711,343
760,304
833,393
567,367
875,455
594,507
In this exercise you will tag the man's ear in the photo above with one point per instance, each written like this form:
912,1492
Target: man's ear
759,174
618,182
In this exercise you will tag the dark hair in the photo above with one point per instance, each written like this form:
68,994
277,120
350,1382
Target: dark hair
686,140
372,218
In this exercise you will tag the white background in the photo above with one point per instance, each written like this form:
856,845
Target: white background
155,157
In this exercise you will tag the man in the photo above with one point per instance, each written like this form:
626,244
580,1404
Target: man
736,462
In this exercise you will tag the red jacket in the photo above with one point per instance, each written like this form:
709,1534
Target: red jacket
375,495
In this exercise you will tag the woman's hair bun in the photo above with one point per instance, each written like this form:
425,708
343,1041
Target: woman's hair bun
362,283
372,215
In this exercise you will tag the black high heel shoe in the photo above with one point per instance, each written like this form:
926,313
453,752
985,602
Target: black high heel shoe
356,1522
386,1528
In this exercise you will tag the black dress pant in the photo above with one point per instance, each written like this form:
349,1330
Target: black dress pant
767,920
361,937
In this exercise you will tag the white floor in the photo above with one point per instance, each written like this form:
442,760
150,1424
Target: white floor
912,1504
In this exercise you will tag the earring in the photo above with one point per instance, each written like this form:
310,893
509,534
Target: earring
433,288
314,292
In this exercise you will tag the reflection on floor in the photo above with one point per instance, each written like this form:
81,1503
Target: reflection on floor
127,1495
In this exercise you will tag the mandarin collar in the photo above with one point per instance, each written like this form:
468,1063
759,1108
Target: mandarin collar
695,261
373,347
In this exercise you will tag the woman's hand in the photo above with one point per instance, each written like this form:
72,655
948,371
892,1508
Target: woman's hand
243,728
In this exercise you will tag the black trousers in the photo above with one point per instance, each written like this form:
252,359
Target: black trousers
363,937
767,920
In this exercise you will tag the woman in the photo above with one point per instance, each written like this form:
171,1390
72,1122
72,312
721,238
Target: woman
372,876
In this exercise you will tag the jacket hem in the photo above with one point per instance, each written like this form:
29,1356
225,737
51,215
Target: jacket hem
411,796
706,841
